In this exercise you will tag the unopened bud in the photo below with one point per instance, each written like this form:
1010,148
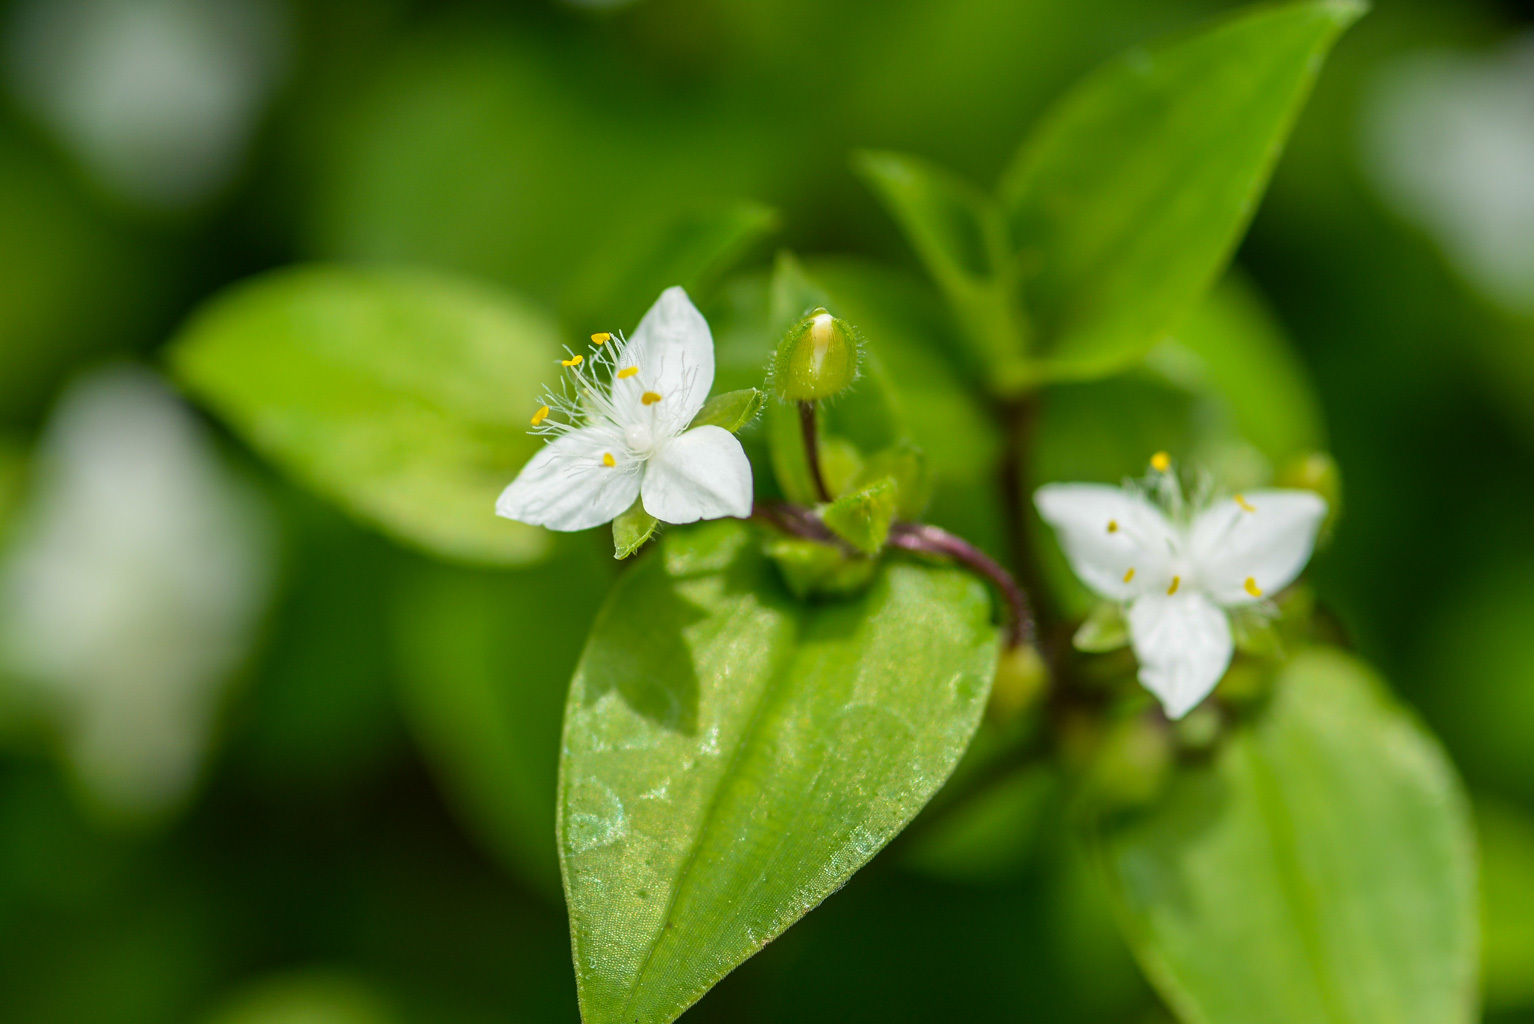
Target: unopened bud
817,358
1022,678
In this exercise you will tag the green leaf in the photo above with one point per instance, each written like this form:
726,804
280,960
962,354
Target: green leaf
1321,868
632,529
1232,347
812,569
1507,904
906,466
484,659
13,466
960,234
1130,195
733,410
402,395
863,517
692,248
732,757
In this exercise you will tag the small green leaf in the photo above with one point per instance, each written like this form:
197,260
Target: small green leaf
1320,868
811,569
1130,195
632,529
732,410
1104,630
731,757
402,395
960,234
905,465
692,248
863,517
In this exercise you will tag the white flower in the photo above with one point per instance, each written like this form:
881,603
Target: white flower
619,431
133,589
1179,572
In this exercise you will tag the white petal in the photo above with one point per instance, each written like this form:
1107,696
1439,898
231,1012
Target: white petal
674,353
1269,546
566,486
704,474
1107,531
1183,644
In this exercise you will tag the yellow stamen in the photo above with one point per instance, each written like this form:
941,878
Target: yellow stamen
601,339
541,415
1113,526
1176,582
575,360
1130,574
608,460
1244,504
1161,462
649,398
1252,588
627,372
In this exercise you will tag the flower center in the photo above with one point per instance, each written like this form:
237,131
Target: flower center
638,438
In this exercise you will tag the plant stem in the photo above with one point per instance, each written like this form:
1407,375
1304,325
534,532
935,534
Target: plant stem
932,540
812,448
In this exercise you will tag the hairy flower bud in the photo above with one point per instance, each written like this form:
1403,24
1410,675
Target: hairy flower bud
817,358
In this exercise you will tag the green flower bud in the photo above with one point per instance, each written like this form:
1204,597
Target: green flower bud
816,359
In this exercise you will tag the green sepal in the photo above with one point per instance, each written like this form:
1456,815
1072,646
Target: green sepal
632,528
863,518
811,569
732,410
906,465
1104,630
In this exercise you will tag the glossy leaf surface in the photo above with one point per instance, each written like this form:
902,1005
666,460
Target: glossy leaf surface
731,757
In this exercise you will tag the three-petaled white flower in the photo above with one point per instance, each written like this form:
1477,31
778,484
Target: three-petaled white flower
619,430
1179,570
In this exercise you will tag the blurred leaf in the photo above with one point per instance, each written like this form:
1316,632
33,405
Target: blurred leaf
692,248
1230,346
402,395
71,282
484,658
733,410
991,836
1506,837
960,233
1130,195
632,529
310,998
731,758
1105,629
13,466
1321,868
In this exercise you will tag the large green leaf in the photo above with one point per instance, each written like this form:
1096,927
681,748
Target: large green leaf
403,395
731,758
1321,868
960,234
1130,195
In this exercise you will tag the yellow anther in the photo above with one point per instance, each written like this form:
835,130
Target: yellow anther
575,360
1251,587
1161,462
649,398
627,372
541,415
1245,504
601,338
1113,526
1130,574
1176,582
608,460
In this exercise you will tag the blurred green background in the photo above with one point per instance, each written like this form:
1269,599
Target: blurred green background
288,771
